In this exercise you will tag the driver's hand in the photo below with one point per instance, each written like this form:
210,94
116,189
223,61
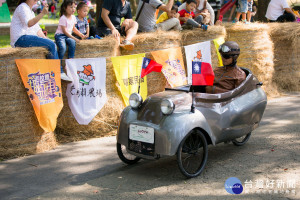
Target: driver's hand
115,33
45,10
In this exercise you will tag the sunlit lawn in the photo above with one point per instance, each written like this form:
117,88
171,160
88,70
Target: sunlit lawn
5,40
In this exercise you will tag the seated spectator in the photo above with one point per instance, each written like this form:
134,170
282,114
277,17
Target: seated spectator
279,11
81,21
110,22
202,8
25,30
163,20
230,75
187,16
146,14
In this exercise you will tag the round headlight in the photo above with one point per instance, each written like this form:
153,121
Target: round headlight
167,107
135,100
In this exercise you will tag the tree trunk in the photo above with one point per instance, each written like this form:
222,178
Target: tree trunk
262,9
98,9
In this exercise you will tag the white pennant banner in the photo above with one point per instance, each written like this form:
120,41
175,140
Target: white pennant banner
87,93
197,52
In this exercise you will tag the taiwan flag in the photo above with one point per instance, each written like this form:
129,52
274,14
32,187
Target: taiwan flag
202,73
150,66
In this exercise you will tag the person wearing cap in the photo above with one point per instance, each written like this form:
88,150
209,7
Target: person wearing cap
230,75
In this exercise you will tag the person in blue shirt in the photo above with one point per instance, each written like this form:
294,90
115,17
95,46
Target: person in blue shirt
109,22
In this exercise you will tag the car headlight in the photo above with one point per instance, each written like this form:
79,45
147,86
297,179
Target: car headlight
135,100
167,106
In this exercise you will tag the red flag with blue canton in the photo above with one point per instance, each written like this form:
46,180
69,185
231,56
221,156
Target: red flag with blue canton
202,73
150,66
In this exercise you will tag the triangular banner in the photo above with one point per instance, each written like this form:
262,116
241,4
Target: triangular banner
173,66
128,73
41,78
87,93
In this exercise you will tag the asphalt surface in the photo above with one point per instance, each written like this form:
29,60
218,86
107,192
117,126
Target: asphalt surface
92,170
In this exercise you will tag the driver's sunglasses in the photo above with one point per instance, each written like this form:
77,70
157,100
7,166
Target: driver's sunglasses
226,56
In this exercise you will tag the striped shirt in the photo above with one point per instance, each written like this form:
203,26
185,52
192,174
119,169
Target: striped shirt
215,4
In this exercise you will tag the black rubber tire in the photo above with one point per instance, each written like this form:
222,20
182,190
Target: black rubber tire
244,140
129,161
189,146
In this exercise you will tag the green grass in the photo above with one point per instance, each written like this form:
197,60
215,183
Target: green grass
5,40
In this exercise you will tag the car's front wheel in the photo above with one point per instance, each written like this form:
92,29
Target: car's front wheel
192,154
242,140
125,156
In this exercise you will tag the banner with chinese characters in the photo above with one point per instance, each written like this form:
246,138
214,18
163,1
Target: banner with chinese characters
197,52
128,73
173,66
87,93
41,78
217,43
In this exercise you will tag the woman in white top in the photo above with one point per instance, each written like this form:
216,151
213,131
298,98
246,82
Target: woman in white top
279,11
25,30
200,7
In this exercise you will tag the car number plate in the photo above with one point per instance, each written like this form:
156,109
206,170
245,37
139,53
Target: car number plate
141,133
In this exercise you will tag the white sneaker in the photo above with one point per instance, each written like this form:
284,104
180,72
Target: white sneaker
64,77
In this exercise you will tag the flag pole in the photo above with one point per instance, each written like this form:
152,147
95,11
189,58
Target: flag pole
140,77
193,106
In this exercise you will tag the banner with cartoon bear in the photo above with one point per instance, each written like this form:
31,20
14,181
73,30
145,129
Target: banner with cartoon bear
41,78
87,92
173,66
197,52
128,73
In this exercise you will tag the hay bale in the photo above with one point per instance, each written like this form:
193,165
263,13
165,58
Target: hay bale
286,38
256,52
20,133
153,41
194,36
106,120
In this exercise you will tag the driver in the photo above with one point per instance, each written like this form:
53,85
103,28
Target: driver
230,75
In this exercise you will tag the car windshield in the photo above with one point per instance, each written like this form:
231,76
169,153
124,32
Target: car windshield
188,88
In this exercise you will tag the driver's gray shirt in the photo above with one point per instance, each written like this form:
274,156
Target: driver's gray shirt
147,19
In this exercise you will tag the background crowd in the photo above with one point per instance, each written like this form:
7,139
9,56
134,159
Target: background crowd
116,19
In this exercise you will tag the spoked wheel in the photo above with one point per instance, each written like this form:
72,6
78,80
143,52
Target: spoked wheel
192,154
125,156
242,140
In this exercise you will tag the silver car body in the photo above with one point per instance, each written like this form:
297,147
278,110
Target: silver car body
222,117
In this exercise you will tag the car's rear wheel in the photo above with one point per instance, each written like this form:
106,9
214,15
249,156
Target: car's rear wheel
125,156
242,140
192,154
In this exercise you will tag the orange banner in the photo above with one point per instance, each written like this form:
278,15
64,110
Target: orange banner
41,78
173,66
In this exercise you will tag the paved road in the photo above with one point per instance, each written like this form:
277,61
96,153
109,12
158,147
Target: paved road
91,169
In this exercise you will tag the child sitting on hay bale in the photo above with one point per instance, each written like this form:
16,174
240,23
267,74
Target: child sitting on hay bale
82,23
63,35
187,16
162,21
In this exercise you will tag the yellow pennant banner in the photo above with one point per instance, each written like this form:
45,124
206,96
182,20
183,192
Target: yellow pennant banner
41,78
173,66
128,73
217,43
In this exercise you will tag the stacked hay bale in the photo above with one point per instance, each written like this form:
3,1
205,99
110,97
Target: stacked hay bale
154,41
194,36
105,121
286,38
20,133
256,52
